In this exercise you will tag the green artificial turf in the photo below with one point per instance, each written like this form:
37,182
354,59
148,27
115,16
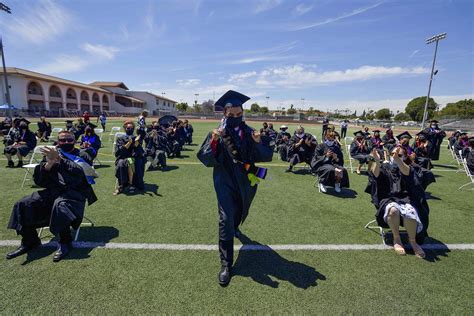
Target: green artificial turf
180,206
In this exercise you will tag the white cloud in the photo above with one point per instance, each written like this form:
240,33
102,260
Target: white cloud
265,5
100,51
188,82
242,76
331,20
414,53
297,76
40,23
302,8
269,54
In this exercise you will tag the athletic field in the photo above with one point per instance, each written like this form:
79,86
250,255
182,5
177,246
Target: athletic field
304,252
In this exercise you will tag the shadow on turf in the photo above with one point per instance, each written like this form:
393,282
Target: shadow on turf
345,193
150,189
100,234
262,265
432,255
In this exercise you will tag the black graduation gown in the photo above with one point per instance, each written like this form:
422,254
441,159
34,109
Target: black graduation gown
423,154
155,147
303,153
60,205
26,136
435,136
44,128
360,154
459,145
470,160
392,186
94,147
121,163
389,142
189,133
376,143
325,167
282,145
231,183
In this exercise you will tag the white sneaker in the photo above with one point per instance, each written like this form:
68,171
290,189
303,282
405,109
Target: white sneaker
337,187
322,188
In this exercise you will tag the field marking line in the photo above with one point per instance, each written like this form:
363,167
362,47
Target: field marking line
203,247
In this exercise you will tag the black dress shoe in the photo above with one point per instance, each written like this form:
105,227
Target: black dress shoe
10,164
19,164
21,250
62,252
224,276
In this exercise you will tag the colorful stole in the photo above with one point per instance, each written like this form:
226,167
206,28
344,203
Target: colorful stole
89,172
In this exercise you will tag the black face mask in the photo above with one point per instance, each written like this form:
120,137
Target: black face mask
129,131
67,147
233,122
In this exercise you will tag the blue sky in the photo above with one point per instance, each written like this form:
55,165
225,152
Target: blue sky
333,54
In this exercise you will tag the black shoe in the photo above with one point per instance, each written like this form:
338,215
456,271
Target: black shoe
10,164
238,233
224,276
62,252
22,250
290,169
19,164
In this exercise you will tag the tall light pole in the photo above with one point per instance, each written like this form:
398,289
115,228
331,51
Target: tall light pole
3,7
302,99
267,97
430,40
196,99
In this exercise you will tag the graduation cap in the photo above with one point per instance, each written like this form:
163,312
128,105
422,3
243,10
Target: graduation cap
283,127
403,135
21,120
69,121
434,121
376,131
421,135
232,98
358,133
91,125
471,139
167,120
462,133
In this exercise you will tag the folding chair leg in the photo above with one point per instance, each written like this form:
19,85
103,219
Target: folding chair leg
24,178
462,186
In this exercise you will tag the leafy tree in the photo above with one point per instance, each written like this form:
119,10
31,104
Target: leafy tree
416,107
255,108
461,109
182,107
264,110
363,115
197,108
402,116
291,110
208,106
383,114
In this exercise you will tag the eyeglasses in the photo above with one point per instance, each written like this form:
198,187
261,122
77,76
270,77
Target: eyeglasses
66,140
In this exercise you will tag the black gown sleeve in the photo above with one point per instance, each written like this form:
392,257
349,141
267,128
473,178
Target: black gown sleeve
205,154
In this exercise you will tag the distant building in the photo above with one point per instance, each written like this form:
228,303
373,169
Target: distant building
38,93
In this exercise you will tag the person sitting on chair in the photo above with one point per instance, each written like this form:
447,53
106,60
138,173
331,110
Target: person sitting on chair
377,143
44,129
328,164
66,179
155,147
359,150
399,198
23,143
130,162
461,143
90,143
282,142
389,140
188,131
468,154
301,148
80,128
422,149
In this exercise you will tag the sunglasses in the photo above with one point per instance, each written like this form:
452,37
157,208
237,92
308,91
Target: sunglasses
66,140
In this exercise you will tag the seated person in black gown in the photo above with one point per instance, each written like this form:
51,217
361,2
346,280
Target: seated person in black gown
366,133
264,130
453,138
155,147
422,149
328,164
70,127
5,126
468,154
359,150
461,143
66,179
375,142
188,131
282,141
399,199
80,128
389,140
130,161
44,129
90,143
12,133
301,148
175,140
23,143
271,132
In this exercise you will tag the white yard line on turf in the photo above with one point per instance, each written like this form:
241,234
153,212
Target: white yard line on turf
201,247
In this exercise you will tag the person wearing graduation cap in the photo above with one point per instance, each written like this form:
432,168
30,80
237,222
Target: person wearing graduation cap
282,141
232,151
435,135
130,161
461,143
66,180
301,148
70,128
44,129
23,143
80,128
12,132
360,150
377,143
389,140
422,148
90,142
156,145
468,154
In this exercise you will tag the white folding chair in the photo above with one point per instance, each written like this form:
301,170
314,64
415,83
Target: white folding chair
382,232
99,132
86,222
54,134
348,149
469,174
348,140
113,131
459,160
115,140
34,161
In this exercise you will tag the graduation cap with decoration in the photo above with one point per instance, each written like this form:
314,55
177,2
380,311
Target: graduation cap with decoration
403,135
230,99
359,133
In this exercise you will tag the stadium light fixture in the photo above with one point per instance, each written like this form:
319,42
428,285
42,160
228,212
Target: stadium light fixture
430,40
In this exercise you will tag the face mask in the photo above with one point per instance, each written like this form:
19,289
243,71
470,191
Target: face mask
129,131
329,142
300,135
233,122
66,147
433,126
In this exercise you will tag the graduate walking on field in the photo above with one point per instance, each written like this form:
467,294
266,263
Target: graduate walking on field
232,150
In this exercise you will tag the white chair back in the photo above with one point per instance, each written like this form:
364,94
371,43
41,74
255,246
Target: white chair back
113,131
117,135
54,133
99,132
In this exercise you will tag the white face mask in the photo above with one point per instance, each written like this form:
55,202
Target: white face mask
329,142
300,135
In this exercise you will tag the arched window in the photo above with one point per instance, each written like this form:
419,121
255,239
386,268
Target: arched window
35,88
84,96
95,97
54,91
71,94
105,99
